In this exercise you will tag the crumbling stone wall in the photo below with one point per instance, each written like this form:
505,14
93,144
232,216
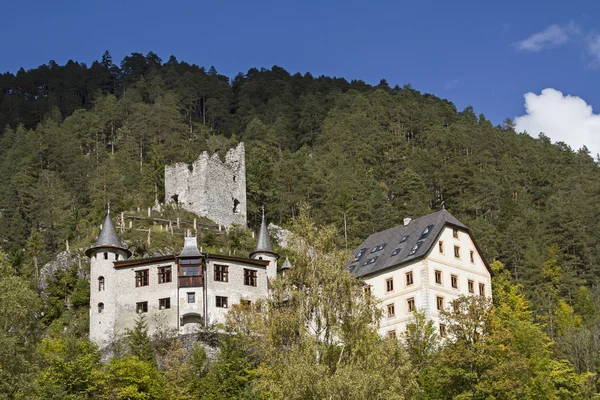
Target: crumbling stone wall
211,188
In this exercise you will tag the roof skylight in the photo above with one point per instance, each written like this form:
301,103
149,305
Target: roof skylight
426,232
396,252
404,238
415,248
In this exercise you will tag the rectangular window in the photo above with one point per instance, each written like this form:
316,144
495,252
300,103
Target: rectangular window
443,330
191,297
142,278
455,233
367,289
472,255
250,277
389,284
411,304
391,310
409,278
471,286
221,273
392,334
164,274
441,247
221,302
164,304
482,289
438,277
456,251
440,303
141,307
454,281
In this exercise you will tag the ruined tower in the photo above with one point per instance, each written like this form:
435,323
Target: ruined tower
209,187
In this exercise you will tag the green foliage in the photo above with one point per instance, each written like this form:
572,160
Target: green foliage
139,342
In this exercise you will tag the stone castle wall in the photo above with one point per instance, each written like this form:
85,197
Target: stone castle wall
209,187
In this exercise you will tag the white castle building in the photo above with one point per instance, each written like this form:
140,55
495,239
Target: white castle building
175,291
423,265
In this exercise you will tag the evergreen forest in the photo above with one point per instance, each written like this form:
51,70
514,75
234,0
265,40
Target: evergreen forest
355,157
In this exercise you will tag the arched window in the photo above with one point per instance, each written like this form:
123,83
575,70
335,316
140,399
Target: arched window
100,283
100,307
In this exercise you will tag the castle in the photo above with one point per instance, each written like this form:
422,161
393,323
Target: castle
176,291
210,188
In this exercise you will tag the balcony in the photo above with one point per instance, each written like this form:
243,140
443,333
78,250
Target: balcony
190,281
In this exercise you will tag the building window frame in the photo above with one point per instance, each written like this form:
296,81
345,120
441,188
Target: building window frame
409,278
438,277
221,273
471,286
482,289
100,307
101,284
389,285
410,304
221,301
250,277
441,246
439,303
456,251
391,334
191,297
164,304
142,277
455,233
443,332
391,310
454,281
165,274
141,307
472,256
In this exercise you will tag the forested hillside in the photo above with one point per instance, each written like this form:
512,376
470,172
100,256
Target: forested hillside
363,157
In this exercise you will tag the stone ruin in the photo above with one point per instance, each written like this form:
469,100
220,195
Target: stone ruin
209,187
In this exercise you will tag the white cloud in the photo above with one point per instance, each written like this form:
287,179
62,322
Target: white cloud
562,118
593,48
554,35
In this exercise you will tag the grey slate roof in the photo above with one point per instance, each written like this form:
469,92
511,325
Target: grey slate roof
108,237
190,248
391,238
264,242
286,264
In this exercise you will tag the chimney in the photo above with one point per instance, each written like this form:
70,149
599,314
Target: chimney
407,221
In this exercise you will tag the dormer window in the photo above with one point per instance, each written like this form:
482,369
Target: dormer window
404,238
395,252
426,232
415,248
359,254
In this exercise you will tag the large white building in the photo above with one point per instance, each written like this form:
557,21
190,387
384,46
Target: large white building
424,264
176,291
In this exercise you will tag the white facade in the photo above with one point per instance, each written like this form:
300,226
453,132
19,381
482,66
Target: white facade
455,275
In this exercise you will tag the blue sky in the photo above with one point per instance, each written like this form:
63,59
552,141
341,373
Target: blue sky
480,53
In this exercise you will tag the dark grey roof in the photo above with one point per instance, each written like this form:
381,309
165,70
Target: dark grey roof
264,242
190,248
108,237
286,264
395,253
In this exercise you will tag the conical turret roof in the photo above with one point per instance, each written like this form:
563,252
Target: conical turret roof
286,264
108,237
263,245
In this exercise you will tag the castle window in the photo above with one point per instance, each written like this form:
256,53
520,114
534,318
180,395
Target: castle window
471,286
482,289
164,274
191,297
443,330
426,232
142,278
221,273
221,302
411,304
164,304
472,256
409,278
105,256
391,312
250,277
236,203
141,307
440,303
100,307
438,277
100,283
454,281
456,251
389,284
